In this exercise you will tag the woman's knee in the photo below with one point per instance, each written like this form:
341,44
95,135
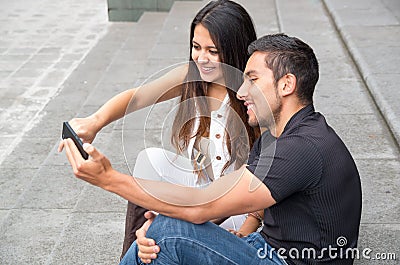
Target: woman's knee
148,163
150,155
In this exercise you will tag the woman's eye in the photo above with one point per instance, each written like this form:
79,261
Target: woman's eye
196,47
214,52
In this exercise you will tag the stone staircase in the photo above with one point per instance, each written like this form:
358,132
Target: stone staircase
49,217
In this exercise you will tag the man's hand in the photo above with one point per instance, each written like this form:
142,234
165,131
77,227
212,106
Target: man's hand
147,247
97,170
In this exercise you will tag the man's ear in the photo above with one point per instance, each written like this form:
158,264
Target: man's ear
287,84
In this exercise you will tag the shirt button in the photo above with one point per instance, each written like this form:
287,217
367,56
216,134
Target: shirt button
217,136
219,116
218,158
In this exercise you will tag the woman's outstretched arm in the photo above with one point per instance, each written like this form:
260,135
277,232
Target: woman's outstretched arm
166,87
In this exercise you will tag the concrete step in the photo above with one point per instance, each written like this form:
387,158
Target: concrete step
41,44
40,200
264,15
370,31
173,43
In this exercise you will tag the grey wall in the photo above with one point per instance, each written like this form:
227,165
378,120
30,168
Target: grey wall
131,10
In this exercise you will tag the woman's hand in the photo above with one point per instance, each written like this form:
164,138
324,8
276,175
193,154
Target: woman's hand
147,247
85,128
236,233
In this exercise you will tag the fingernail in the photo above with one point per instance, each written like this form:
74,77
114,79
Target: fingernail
155,249
153,256
151,243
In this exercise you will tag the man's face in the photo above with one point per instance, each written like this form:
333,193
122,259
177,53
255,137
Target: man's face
259,93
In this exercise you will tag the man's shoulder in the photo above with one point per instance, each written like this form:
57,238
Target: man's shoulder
314,128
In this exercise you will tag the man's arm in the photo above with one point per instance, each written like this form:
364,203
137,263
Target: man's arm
236,193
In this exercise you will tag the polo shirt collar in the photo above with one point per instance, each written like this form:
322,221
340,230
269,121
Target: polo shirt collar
298,117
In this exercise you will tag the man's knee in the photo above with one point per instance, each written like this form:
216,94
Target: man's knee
131,256
164,226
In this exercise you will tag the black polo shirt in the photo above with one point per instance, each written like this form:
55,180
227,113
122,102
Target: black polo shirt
315,182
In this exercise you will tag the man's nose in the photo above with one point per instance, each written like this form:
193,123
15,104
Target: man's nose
242,92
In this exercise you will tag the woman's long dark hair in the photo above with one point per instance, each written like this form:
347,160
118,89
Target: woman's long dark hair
231,29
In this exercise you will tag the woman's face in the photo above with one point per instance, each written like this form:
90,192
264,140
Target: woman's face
206,55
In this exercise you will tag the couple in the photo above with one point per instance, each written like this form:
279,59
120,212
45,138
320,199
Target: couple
299,171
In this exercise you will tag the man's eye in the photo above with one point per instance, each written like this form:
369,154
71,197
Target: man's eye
252,80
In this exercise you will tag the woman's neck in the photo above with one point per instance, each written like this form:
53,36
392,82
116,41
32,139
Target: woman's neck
216,94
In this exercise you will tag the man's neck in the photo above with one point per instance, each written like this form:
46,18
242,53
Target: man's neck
286,114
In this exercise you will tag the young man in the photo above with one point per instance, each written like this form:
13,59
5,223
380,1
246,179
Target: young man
299,171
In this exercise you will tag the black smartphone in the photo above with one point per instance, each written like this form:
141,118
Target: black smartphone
68,132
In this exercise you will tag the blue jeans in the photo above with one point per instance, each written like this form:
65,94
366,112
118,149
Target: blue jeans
186,243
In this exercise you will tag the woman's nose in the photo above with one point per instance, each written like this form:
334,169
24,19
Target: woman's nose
202,58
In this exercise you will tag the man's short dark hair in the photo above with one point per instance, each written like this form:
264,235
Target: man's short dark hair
290,55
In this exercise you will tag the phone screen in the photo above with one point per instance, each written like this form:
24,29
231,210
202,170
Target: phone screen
68,132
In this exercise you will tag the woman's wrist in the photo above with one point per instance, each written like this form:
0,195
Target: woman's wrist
257,216
97,122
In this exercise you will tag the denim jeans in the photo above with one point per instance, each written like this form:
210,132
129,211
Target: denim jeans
186,243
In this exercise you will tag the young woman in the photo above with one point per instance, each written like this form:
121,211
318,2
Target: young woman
208,114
